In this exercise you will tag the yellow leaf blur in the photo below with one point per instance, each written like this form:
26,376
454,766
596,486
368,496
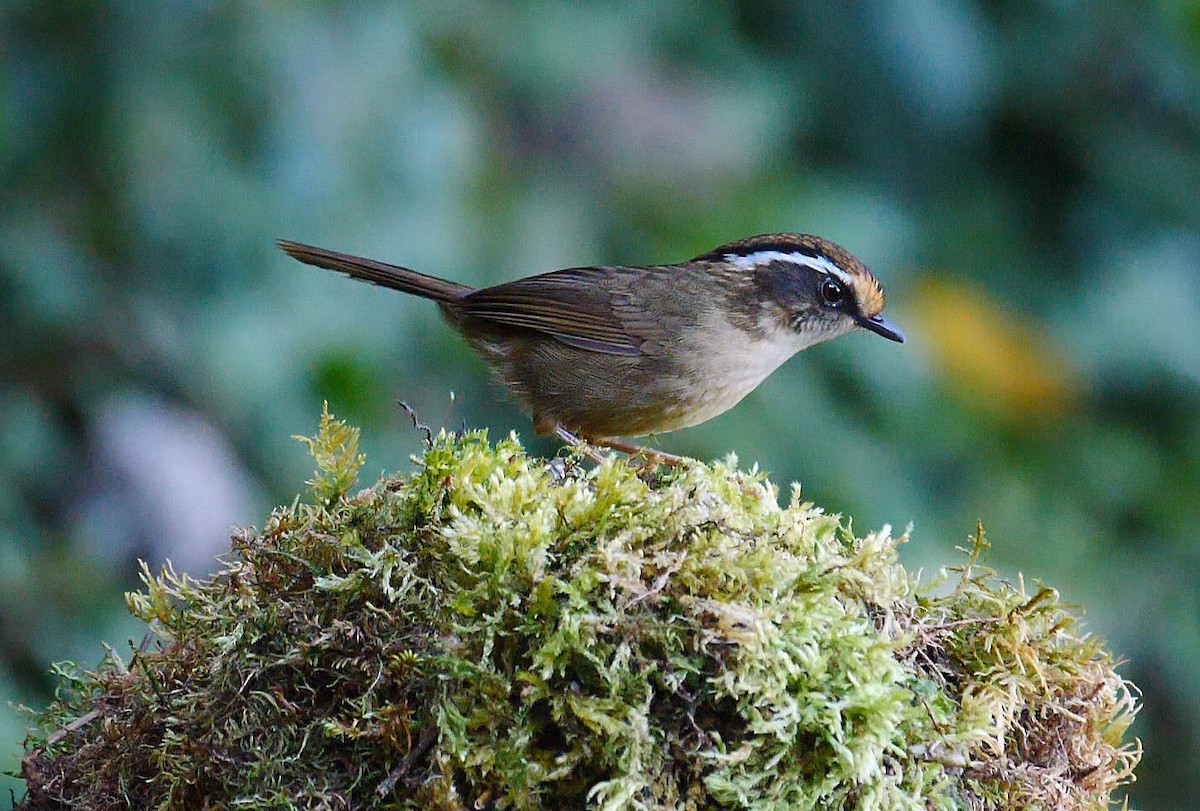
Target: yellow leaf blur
993,358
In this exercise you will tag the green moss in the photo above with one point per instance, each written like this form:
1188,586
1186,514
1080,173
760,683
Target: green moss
499,631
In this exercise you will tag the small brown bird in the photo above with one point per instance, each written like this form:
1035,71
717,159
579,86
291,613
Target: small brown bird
605,352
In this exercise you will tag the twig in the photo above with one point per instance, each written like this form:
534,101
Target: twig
78,723
389,782
417,424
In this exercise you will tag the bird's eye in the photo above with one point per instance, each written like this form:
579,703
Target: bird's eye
832,293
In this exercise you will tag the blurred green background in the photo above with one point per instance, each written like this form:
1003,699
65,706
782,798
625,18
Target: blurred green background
1023,175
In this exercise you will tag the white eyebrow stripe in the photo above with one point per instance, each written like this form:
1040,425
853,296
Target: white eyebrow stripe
751,260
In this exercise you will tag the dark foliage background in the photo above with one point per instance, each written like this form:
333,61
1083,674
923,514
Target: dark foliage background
1022,174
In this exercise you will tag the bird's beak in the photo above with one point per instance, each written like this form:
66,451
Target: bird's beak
881,326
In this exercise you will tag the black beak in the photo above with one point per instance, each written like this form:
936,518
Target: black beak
881,326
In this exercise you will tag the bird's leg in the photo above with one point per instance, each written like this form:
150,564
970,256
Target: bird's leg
653,456
575,442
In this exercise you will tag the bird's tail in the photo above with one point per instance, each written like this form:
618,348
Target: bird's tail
380,273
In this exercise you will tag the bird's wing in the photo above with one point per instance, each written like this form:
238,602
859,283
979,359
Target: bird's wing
575,306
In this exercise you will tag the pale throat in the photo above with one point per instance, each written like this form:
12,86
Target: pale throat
738,360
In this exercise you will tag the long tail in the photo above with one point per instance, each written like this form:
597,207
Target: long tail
380,273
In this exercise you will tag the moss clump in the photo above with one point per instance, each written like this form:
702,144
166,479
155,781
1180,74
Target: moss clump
497,631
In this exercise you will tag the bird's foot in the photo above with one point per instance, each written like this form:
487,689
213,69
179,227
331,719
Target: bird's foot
641,451
650,456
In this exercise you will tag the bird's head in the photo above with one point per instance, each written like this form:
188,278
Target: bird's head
817,287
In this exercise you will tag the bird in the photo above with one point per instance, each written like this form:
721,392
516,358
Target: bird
594,354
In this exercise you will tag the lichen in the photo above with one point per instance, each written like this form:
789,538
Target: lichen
501,631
